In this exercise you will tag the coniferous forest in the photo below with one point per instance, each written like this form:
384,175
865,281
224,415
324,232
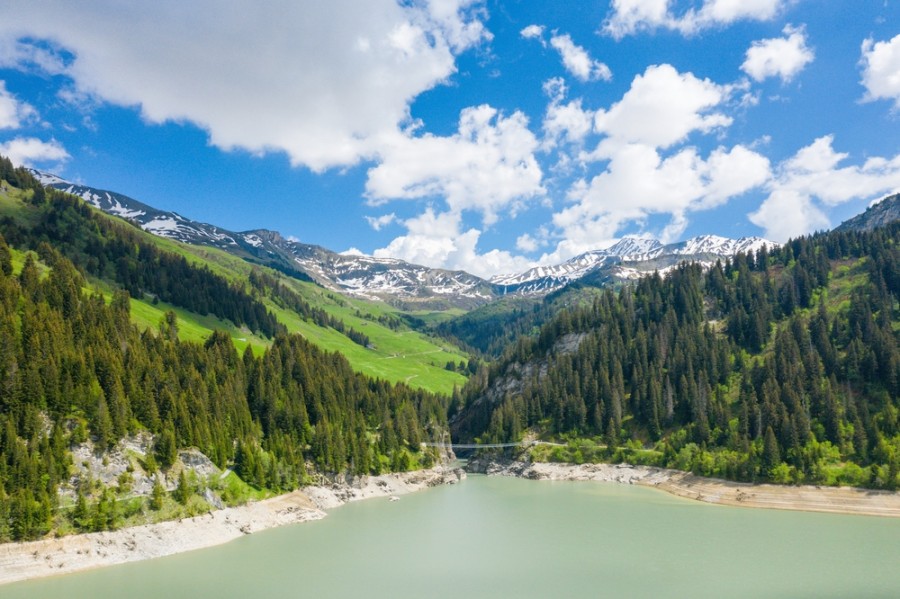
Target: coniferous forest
780,366
73,367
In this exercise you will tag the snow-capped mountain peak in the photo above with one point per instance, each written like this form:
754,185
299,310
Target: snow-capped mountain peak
635,248
397,281
628,258
720,246
375,278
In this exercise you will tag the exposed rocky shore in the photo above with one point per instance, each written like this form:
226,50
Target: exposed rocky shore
840,500
47,557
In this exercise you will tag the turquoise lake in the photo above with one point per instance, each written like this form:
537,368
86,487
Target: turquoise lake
504,537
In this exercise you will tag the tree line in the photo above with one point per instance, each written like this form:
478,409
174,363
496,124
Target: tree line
780,365
269,285
115,251
74,368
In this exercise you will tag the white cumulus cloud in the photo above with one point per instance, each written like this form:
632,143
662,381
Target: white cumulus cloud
786,213
13,113
663,107
729,11
532,32
881,70
639,182
380,222
577,61
487,166
30,151
437,240
527,243
642,175
813,180
628,17
569,122
781,57
320,81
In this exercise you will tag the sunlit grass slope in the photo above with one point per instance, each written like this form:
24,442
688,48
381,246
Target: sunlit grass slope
395,352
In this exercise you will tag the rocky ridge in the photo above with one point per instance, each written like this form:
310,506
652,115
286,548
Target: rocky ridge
877,214
629,258
404,284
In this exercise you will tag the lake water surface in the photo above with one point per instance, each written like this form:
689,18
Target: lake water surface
503,537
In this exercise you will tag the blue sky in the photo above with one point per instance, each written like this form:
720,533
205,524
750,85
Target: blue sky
486,135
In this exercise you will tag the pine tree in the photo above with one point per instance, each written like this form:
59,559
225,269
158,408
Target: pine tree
166,448
157,495
771,456
183,491
80,513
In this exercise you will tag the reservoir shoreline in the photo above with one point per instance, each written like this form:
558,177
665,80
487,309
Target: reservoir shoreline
74,553
808,498
56,556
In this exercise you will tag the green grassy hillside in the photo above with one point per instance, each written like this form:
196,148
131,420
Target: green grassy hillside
395,351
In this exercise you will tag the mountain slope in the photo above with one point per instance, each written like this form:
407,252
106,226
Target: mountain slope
96,414
372,336
784,368
410,286
884,212
405,284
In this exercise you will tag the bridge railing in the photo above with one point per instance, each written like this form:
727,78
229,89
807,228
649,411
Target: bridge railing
487,445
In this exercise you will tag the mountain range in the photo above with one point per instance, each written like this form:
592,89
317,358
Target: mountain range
414,286
395,281
629,258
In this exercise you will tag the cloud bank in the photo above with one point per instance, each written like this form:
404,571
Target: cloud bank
814,179
289,84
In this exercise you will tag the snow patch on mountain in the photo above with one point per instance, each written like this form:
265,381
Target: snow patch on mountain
631,248
161,226
103,200
48,179
719,246
637,254
397,281
253,240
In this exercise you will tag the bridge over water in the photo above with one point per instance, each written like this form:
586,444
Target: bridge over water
455,446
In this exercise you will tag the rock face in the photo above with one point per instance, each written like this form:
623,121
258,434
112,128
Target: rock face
882,213
128,458
353,488
614,473
511,381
